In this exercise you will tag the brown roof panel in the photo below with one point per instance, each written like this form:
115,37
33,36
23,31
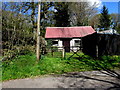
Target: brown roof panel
68,32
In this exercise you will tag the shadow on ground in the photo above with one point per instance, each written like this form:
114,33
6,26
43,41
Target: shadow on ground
90,79
103,78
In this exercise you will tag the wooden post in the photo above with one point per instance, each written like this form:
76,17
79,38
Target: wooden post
97,51
97,48
38,34
63,52
52,51
81,46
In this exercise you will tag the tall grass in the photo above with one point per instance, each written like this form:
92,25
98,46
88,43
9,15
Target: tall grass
25,65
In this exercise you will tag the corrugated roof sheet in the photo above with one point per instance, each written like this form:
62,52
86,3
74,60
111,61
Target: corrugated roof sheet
68,32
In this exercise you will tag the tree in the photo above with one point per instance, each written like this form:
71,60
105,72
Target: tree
19,26
16,30
80,12
73,14
46,16
114,19
105,19
118,27
62,14
116,22
31,8
94,21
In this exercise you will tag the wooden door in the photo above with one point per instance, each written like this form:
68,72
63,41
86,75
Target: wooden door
66,44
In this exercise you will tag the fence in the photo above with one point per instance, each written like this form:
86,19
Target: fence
53,51
97,45
59,52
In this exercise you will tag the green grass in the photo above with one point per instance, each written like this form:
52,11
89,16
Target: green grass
55,54
20,67
25,65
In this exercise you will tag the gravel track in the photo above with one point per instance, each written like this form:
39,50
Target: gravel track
88,79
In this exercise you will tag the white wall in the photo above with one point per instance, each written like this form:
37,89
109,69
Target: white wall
60,43
72,43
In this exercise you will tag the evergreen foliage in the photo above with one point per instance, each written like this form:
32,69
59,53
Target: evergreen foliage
62,15
105,19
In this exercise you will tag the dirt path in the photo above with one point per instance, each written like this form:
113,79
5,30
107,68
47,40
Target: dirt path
89,79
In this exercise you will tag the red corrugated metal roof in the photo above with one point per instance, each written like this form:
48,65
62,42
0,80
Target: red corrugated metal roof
68,32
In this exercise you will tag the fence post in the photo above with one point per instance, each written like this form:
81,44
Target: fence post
97,51
63,52
97,48
52,51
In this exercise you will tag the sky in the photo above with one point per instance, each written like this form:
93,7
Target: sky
112,5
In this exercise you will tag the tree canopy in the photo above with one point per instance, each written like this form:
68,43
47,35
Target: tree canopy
105,19
62,14
20,25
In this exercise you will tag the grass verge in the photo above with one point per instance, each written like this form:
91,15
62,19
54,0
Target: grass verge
25,65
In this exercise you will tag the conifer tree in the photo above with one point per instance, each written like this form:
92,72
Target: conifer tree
105,19
61,15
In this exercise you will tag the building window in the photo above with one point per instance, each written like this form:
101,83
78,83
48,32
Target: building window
77,42
55,43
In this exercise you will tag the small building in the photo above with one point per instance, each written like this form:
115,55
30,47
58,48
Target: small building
111,31
68,37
